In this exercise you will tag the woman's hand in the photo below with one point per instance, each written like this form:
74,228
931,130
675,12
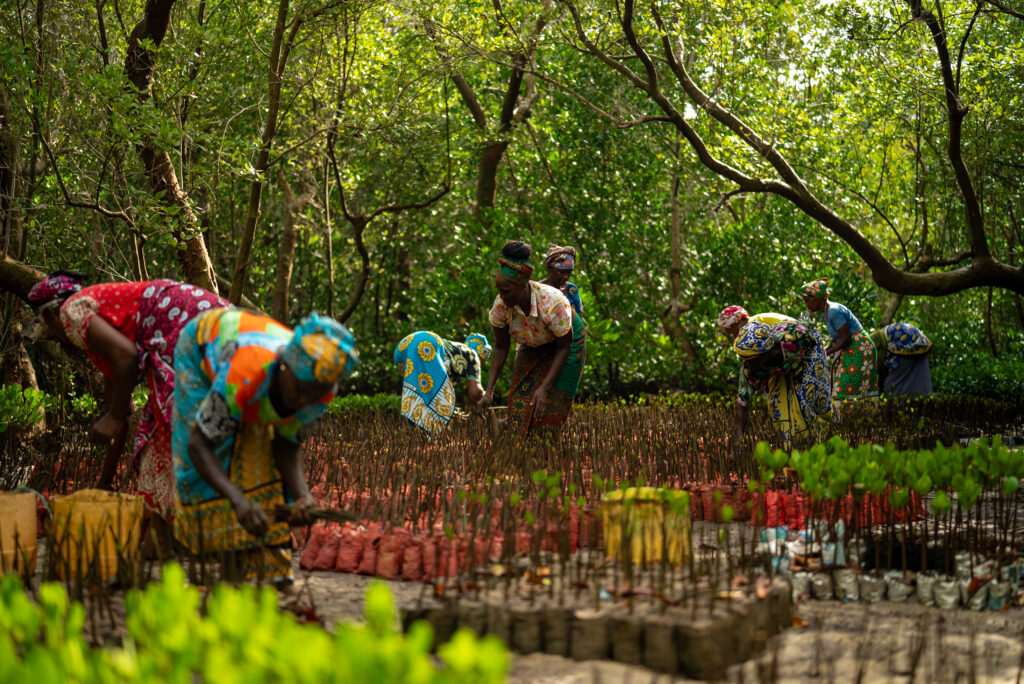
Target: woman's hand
300,511
251,517
486,400
540,400
108,428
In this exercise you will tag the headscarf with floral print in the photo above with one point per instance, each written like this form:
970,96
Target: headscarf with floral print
561,258
478,343
55,287
730,316
321,350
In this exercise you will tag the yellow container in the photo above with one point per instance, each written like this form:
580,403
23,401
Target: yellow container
17,532
94,530
641,519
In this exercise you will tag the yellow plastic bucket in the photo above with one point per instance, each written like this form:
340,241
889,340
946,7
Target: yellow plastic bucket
93,531
17,532
640,519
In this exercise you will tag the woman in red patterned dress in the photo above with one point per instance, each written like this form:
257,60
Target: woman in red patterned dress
128,330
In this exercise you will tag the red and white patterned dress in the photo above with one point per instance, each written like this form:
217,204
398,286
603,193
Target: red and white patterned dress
151,314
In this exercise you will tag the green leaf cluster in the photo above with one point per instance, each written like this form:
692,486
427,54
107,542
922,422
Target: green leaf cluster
241,636
831,470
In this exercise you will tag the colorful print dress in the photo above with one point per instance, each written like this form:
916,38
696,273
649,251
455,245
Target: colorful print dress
225,361
430,366
551,316
151,314
853,368
797,378
903,359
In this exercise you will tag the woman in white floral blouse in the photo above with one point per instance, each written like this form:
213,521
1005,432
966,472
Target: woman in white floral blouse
551,343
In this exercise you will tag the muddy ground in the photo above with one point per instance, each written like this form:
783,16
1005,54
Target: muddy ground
831,642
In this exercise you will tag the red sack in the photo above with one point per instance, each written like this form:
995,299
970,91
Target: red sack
389,556
308,558
429,558
328,553
412,561
350,551
371,543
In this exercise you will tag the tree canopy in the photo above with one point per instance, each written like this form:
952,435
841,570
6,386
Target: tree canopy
367,159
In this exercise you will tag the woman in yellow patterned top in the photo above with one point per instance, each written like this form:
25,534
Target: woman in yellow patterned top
551,339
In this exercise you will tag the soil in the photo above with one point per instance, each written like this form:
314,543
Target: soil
830,641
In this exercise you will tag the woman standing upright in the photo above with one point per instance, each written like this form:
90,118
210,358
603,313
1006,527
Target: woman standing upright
128,330
551,343
560,263
854,366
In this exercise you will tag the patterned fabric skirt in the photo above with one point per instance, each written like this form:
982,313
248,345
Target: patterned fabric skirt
428,396
531,366
854,372
165,308
210,528
801,396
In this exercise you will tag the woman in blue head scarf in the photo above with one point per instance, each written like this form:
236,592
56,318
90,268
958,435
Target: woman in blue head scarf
246,389
430,366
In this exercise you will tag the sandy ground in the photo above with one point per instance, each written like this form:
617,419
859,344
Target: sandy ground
832,642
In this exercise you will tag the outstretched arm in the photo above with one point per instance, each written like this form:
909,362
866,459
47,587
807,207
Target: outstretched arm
502,343
288,460
119,352
840,341
200,451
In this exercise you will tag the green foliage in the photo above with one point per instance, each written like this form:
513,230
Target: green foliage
834,469
391,403
870,142
20,407
982,375
241,637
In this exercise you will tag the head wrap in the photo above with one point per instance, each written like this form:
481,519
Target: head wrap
520,269
730,316
321,350
561,258
57,286
906,339
479,344
816,289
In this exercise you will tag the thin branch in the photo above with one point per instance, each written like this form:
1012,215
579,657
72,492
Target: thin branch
956,113
643,120
963,43
121,215
1002,7
398,207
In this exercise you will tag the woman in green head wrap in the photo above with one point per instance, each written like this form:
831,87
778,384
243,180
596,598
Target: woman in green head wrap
550,338
853,353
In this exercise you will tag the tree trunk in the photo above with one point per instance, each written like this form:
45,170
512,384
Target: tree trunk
671,319
487,174
329,238
17,278
9,214
892,307
358,228
278,58
293,207
140,66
